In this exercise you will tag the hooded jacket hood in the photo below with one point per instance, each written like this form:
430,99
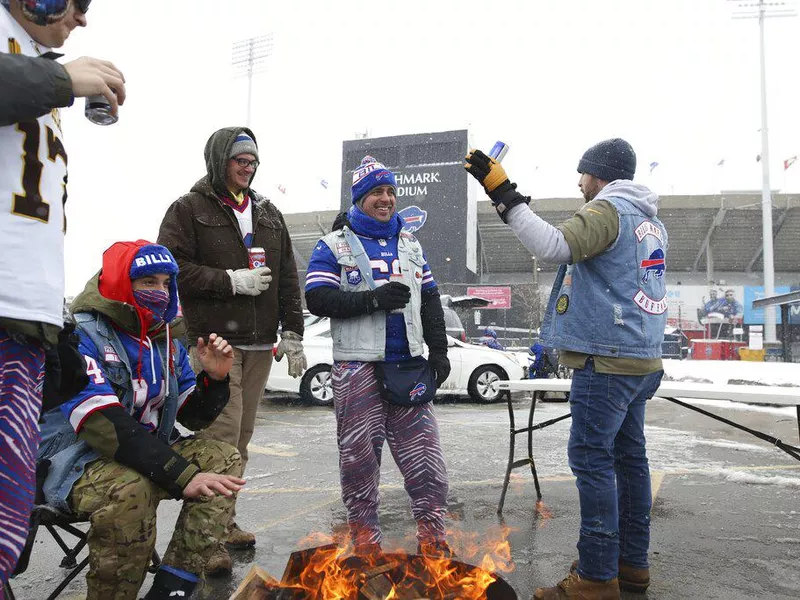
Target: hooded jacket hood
110,293
217,153
635,193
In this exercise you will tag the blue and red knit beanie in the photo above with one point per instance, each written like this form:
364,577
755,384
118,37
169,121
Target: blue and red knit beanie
370,174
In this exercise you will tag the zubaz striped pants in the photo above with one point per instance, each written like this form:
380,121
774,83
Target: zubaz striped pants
21,377
363,422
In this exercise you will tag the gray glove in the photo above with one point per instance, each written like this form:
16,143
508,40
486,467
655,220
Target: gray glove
250,282
291,345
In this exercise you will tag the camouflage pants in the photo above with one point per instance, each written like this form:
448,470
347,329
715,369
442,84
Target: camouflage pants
121,508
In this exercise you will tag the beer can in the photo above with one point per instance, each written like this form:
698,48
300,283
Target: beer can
98,110
258,257
498,151
398,277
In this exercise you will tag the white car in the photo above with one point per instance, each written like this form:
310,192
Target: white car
474,370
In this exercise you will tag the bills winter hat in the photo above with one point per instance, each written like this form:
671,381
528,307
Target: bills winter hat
609,160
244,144
152,259
370,174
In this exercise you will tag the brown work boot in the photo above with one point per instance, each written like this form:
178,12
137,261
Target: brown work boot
435,549
219,564
574,586
239,539
633,579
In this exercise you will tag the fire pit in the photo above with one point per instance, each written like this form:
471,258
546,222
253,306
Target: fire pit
326,572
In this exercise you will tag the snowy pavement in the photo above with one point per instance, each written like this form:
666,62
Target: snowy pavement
725,523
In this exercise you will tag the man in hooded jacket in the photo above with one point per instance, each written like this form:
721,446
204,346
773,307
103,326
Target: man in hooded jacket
211,231
606,316
113,451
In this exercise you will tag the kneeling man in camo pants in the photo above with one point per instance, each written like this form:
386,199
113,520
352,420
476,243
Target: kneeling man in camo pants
113,451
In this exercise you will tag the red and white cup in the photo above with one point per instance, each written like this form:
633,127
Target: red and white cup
258,257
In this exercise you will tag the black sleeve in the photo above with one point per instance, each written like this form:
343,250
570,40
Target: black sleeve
115,434
331,302
433,328
65,369
205,403
32,87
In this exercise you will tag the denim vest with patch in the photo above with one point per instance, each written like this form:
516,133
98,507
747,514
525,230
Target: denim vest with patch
614,304
363,338
67,453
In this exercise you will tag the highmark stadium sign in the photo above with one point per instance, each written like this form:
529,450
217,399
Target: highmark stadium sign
416,184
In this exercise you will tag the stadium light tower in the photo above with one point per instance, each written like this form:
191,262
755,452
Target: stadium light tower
761,10
248,58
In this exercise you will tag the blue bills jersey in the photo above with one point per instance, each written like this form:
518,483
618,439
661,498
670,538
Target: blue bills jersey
149,388
324,270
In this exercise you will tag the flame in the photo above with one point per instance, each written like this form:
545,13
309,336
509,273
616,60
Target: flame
543,512
329,576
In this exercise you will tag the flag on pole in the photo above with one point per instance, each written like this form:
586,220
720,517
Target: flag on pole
323,183
721,163
789,162
653,165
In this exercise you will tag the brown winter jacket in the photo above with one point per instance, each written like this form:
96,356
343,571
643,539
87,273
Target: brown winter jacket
203,235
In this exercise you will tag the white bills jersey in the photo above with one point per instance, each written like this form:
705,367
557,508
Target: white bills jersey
33,178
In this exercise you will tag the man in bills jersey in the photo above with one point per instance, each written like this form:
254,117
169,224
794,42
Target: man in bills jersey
114,452
389,324
33,171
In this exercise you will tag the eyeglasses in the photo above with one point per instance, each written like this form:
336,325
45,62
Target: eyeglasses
243,162
83,5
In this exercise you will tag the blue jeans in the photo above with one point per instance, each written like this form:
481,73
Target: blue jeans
607,456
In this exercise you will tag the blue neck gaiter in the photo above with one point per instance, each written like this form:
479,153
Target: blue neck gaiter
365,225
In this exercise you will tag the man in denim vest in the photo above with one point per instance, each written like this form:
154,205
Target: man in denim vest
606,316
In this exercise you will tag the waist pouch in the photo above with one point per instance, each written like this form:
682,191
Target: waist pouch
406,383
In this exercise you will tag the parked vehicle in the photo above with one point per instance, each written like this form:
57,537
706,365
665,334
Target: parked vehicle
451,319
475,370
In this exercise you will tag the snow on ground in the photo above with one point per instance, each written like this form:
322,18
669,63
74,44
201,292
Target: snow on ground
733,371
723,371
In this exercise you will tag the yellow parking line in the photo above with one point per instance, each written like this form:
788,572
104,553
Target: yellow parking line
656,477
254,449
297,514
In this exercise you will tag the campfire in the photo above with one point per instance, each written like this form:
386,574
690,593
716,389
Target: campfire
332,572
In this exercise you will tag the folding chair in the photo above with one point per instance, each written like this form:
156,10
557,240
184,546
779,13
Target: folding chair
57,523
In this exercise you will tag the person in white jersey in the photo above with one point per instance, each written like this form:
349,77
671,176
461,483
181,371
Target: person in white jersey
33,175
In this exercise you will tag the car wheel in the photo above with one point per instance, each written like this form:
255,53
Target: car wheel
316,387
484,383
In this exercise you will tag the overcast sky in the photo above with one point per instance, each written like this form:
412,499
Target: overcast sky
679,79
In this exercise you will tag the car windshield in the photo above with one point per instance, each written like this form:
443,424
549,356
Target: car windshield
451,319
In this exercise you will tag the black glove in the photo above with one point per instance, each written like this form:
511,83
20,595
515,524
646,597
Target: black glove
492,176
390,296
65,370
440,365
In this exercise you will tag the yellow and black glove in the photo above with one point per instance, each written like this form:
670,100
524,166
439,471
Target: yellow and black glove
492,176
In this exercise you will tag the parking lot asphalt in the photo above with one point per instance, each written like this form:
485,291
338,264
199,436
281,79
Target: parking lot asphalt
725,521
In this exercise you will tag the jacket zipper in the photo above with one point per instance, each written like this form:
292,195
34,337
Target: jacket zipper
229,213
